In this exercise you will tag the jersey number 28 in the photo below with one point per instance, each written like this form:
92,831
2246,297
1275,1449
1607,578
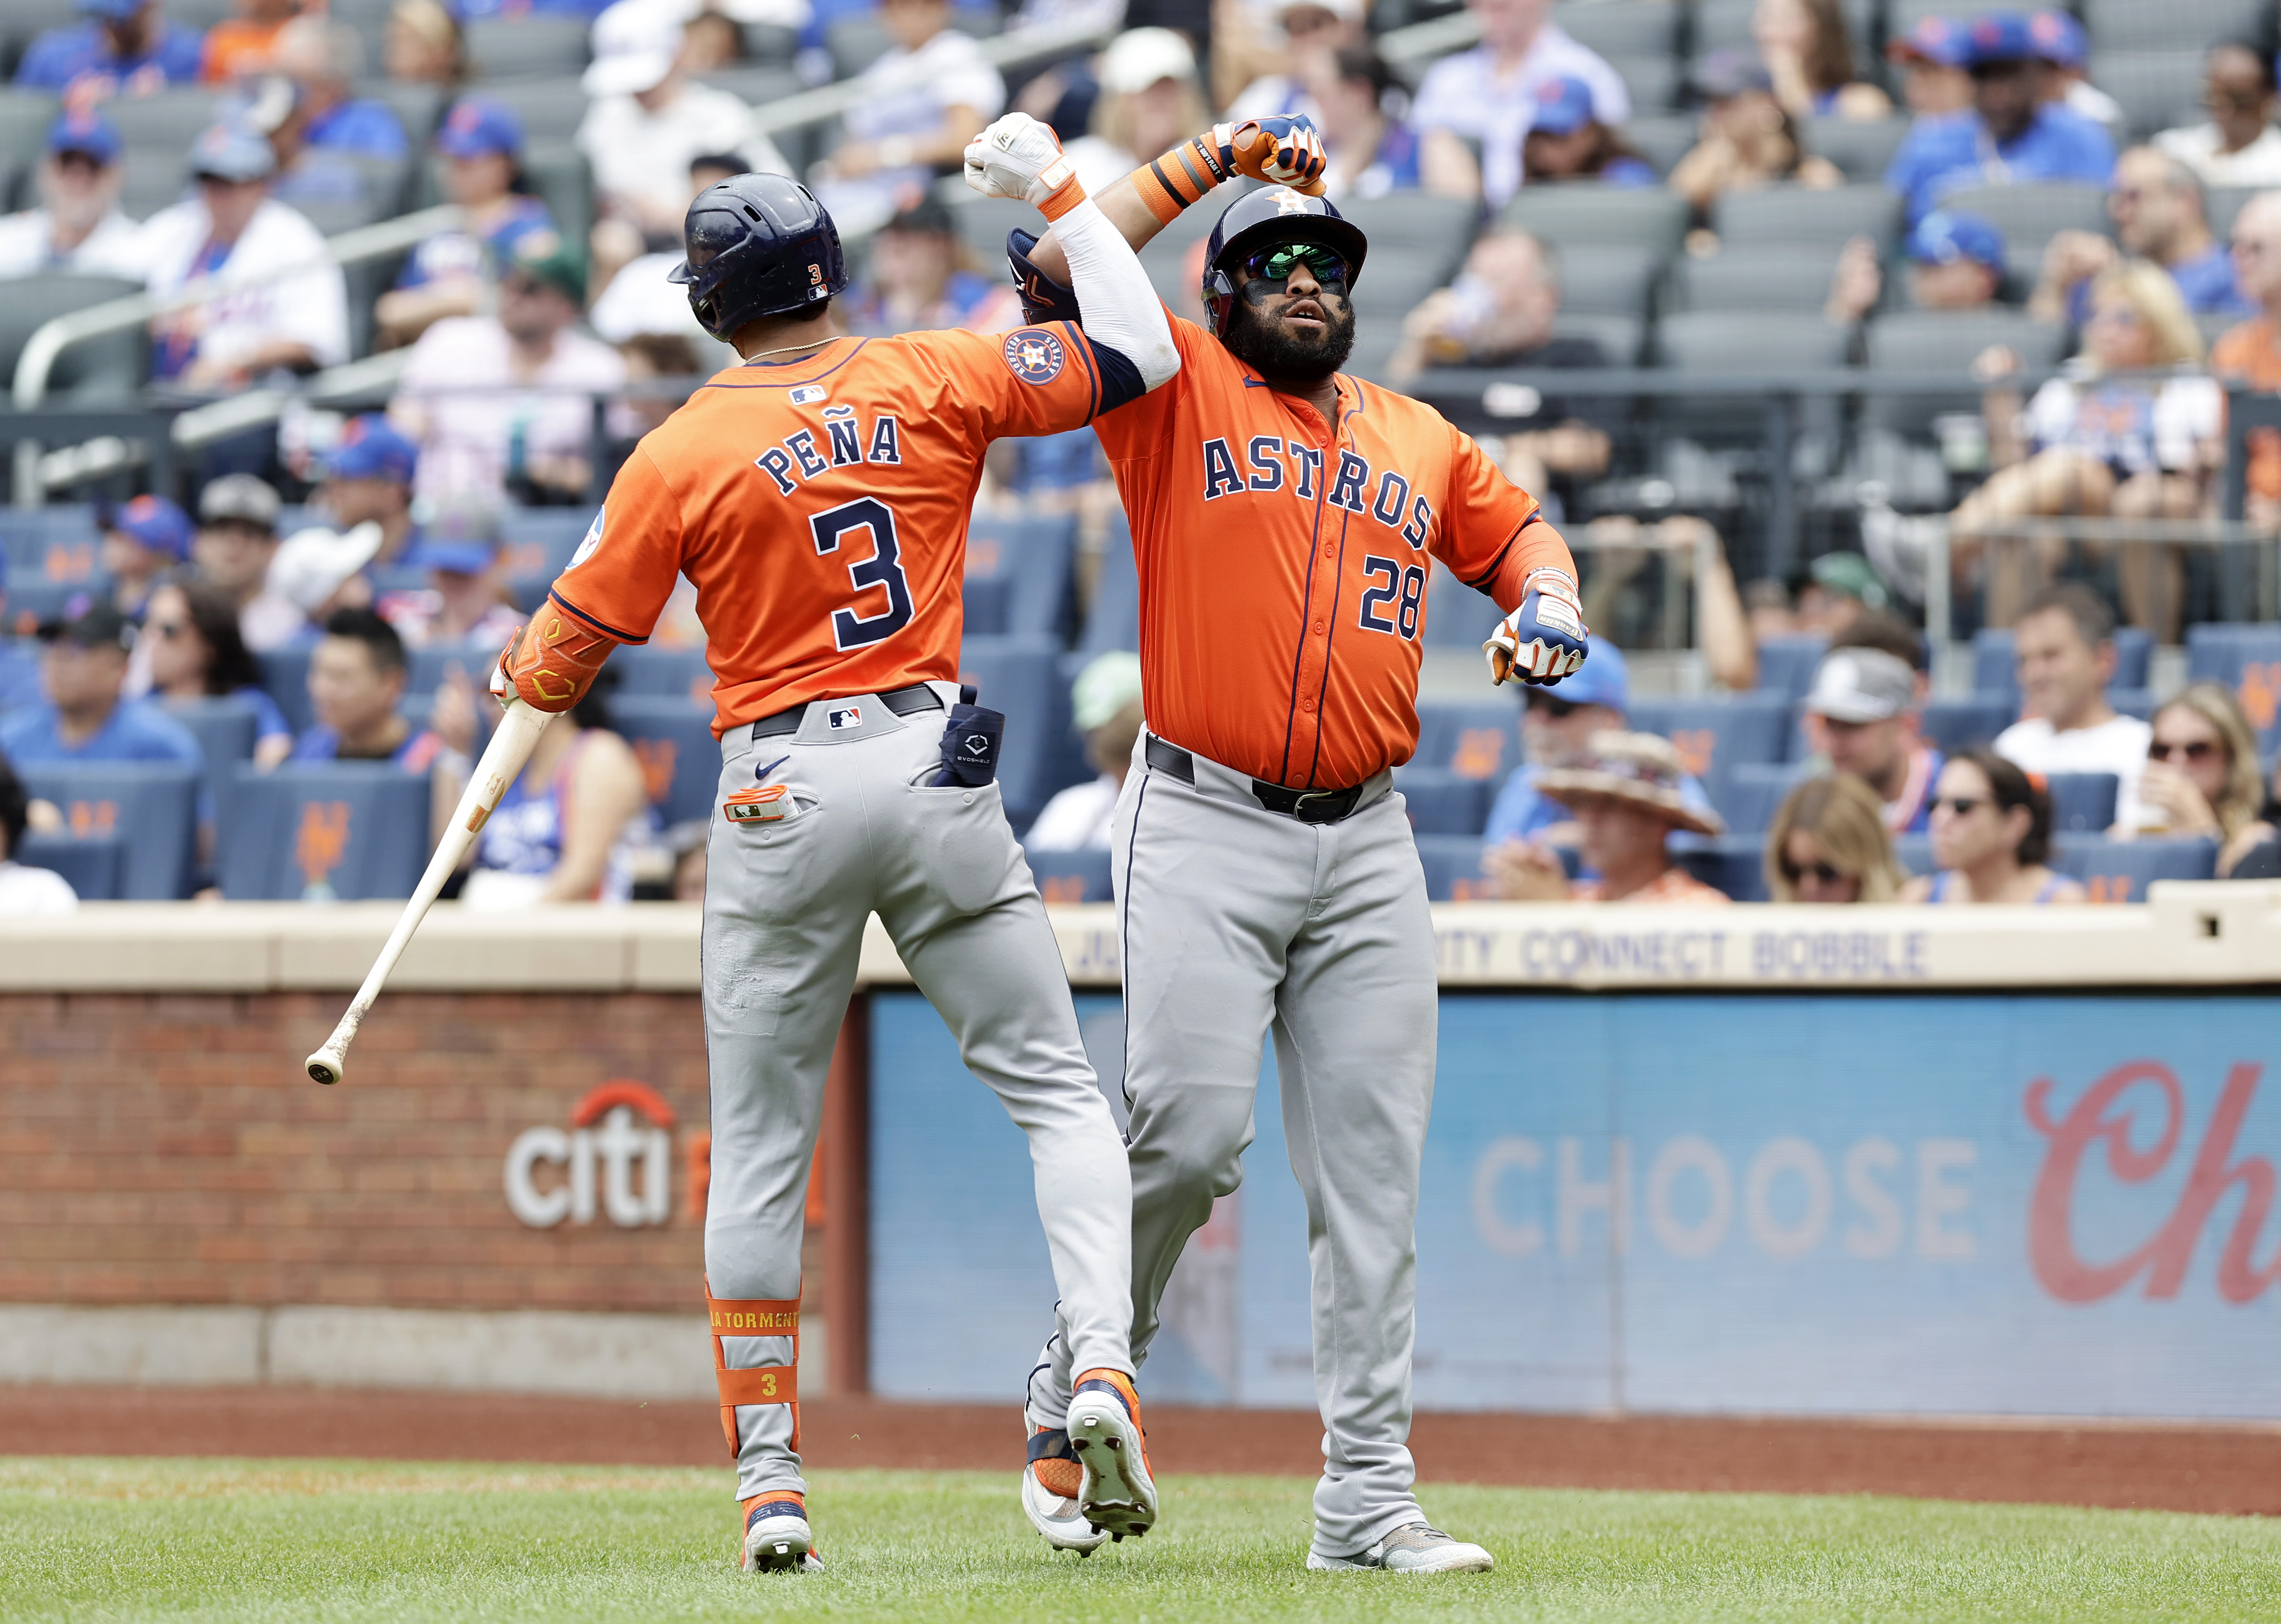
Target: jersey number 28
883,567
1394,581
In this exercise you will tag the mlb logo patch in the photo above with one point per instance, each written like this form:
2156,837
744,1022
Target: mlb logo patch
847,716
1034,355
806,394
762,804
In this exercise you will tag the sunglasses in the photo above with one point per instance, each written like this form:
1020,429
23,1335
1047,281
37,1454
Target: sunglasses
1963,806
2200,750
169,629
2218,101
1821,871
1552,706
1276,265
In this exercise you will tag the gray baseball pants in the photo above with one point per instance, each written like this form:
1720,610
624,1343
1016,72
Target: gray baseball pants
1234,920
785,904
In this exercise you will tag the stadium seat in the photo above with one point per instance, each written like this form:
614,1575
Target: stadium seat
59,543
1748,341
2082,802
550,109
1950,726
2223,203
418,107
1994,670
527,47
346,832
1453,867
1113,619
1041,752
1724,25
1066,877
429,666
1580,212
757,83
1021,577
225,730
92,865
1481,739
1913,853
19,673
1608,279
1947,342
26,116
285,675
2121,870
1661,138
102,370
1434,233
1733,864
1859,148
2157,90
983,223
680,759
2137,703
1655,82
1627,27
1714,736
1903,15
151,806
1791,277
2031,212
2247,659
1622,339
2138,25
165,121
649,671
855,44
1831,215
1441,801
1753,791
1456,617
30,599
1787,664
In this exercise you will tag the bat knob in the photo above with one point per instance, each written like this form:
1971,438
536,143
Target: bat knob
325,1066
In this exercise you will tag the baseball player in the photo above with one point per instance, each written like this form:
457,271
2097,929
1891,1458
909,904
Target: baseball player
1282,517
817,497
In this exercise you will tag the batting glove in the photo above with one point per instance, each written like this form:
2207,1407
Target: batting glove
1017,157
1543,640
1287,151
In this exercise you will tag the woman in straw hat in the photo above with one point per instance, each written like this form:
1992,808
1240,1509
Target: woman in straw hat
1626,796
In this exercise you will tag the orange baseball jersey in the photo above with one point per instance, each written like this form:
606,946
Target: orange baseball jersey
1283,566
819,505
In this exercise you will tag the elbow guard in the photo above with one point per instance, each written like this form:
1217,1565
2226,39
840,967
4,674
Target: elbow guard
1043,300
552,661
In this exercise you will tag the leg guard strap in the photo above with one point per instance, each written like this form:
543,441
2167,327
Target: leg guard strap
765,1384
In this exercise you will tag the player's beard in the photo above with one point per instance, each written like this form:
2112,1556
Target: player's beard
1271,348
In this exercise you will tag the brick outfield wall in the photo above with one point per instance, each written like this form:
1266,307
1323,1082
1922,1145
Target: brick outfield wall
162,1149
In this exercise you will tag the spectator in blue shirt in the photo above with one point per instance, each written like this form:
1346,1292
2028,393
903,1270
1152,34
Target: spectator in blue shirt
2156,204
2011,134
446,275
1568,142
325,59
84,717
368,480
124,47
357,675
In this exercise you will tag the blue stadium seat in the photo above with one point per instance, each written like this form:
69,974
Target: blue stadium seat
347,832
1733,864
681,760
2082,802
1950,726
1995,672
1479,740
20,673
1456,617
1071,876
1453,867
1754,793
285,674
429,666
32,598
93,867
1714,736
1445,802
2121,870
652,671
538,543
1041,752
2247,660
1113,620
65,551
2137,703
1913,853
1020,577
1786,665
225,730
150,806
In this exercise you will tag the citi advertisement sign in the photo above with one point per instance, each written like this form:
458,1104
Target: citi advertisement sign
613,1161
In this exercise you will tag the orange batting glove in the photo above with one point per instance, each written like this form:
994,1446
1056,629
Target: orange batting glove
551,662
1287,151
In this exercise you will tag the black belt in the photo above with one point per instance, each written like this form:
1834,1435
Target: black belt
902,702
1306,806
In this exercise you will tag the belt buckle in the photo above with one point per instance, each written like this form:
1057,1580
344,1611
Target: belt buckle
1299,804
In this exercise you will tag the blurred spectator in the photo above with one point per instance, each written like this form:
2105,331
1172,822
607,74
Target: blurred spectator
711,41
1956,262
357,674
2012,134
1565,142
1838,587
319,571
236,542
464,601
918,283
368,480
2239,146
197,654
325,59
650,356
233,226
2250,354
424,46
2063,645
2064,49
1374,153
84,717
1489,93
1828,845
2101,443
503,402
637,298
25,891
1991,836
2157,207
79,226
1278,76
124,47
1150,95
1106,702
1807,51
241,46
1932,59
1864,706
560,833
2201,776
140,542
1628,795
922,102
448,273
686,843
1746,140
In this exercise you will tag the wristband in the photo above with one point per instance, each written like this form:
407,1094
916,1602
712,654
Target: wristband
1066,194
1170,183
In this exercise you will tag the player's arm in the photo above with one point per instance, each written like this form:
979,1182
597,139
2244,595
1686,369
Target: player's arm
1497,540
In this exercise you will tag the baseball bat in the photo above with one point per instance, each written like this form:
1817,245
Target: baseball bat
503,758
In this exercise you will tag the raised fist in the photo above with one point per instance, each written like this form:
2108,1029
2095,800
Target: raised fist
1017,157
1287,151
1544,639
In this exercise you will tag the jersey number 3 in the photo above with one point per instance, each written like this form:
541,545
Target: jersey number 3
883,567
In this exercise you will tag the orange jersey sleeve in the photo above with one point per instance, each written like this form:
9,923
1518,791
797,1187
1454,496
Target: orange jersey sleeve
820,506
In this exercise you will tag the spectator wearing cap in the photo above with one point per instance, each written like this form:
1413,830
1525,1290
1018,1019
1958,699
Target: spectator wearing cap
368,480
1488,94
140,542
1372,152
196,651
1991,836
448,273
122,48
234,227
85,716
1567,143
2250,354
1626,794
2158,213
2237,145
245,44
2011,133
922,101
320,571
1807,51
1828,845
503,402
1106,702
464,601
1275,51
236,542
79,226
1864,706
2063,649
1746,140
919,281
1956,262
638,300
1932,57
2064,49
1150,89
25,890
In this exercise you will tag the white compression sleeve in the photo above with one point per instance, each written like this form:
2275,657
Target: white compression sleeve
1121,311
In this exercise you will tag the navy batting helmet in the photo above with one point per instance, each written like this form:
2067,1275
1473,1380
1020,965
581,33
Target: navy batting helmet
1272,217
757,246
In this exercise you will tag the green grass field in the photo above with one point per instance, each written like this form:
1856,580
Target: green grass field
350,1539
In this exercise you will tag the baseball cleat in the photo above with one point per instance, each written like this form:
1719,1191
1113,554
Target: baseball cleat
1414,1548
1051,1483
776,1536
1118,1495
